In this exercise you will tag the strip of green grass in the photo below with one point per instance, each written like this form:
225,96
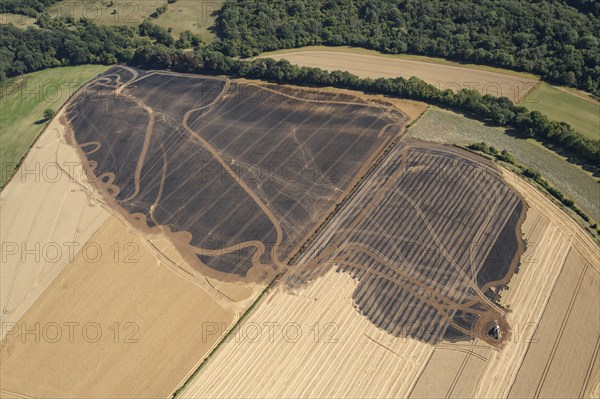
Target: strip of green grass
559,105
105,12
193,15
447,127
20,21
22,104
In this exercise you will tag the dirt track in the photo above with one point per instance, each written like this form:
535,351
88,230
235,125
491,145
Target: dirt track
418,235
440,75
556,319
375,364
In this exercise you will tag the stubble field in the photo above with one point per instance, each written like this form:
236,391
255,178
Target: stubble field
442,75
551,350
144,287
125,325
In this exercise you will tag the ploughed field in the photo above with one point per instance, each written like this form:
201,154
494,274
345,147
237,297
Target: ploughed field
238,175
432,237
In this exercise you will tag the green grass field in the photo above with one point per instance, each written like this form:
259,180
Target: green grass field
22,104
106,12
572,106
193,15
446,127
20,21
582,114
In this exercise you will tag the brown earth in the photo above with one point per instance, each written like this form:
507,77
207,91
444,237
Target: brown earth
237,174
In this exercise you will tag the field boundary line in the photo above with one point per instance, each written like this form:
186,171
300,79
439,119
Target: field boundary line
225,338
459,373
560,332
425,365
588,375
384,153
18,395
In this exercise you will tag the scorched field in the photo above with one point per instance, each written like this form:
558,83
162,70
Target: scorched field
237,174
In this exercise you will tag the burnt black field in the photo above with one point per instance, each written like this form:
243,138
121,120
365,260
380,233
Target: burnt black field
430,237
238,174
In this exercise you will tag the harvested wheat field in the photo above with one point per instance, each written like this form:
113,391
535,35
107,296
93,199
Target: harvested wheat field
391,278
441,75
553,348
310,343
124,313
321,345
39,239
113,324
438,276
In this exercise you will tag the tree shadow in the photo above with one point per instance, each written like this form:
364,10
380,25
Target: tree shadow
41,121
215,28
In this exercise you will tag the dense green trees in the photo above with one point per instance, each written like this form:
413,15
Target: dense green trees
547,37
48,114
58,42
25,7
499,111
159,11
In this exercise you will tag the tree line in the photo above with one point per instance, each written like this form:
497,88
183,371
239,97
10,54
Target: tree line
62,42
499,111
559,40
26,7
